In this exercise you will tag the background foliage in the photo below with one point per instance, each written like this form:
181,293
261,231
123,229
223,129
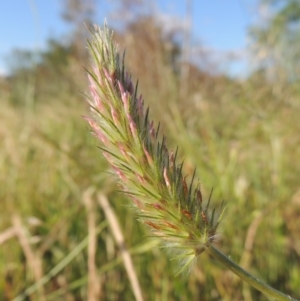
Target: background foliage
241,134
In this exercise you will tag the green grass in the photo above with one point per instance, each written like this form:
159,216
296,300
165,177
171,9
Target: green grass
245,145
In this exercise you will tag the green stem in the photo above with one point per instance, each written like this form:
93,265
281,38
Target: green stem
253,281
62,264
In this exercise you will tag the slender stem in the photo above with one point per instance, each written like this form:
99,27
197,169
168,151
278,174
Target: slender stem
62,264
118,235
253,281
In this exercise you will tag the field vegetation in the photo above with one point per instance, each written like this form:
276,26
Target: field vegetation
242,135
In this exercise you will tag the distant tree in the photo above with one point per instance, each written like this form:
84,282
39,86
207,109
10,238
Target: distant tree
53,73
276,39
77,13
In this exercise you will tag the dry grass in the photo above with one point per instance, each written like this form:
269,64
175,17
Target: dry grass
243,138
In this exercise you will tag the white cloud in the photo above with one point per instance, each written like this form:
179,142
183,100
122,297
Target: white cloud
171,24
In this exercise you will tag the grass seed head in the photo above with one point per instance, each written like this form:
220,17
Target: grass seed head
171,208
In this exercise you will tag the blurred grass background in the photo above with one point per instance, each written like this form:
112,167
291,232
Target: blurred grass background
241,134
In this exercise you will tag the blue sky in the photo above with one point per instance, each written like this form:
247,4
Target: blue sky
220,25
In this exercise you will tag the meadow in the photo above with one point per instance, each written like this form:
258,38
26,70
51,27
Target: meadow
242,135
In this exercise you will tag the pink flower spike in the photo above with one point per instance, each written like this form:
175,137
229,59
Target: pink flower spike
121,88
132,126
99,77
91,122
141,179
148,156
119,173
97,130
166,178
140,106
108,157
138,203
96,98
123,151
114,115
157,206
101,136
172,159
108,76
152,130
91,81
125,99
